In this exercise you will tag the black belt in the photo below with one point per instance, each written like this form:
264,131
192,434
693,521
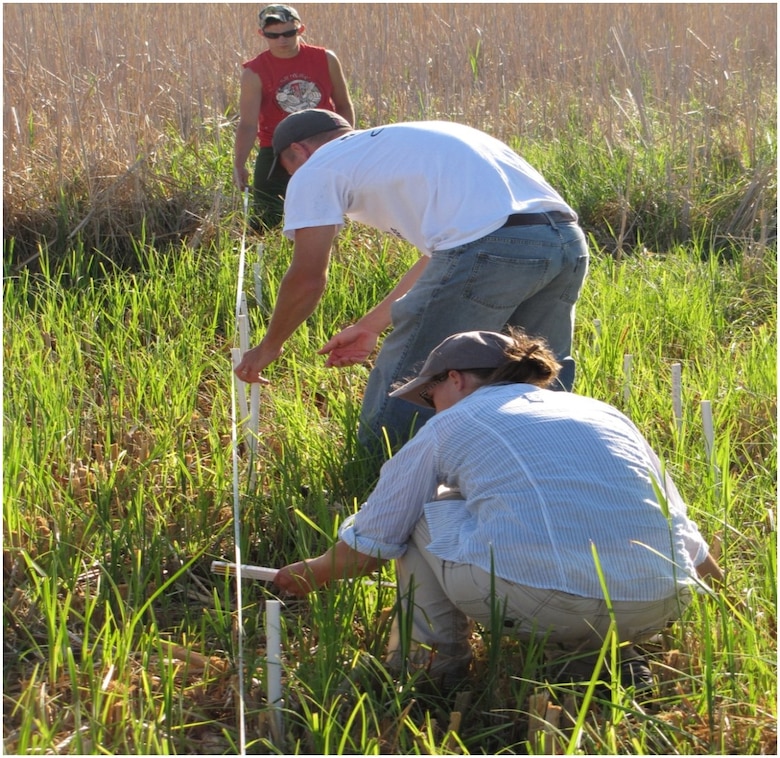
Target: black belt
534,219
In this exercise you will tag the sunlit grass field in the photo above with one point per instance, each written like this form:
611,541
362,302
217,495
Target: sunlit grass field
121,249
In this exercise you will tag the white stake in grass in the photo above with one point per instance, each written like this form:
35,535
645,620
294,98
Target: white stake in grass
257,268
677,395
243,408
243,329
273,635
254,388
709,443
253,412
254,425
709,430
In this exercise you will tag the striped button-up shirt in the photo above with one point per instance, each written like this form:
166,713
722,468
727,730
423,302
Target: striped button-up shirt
556,488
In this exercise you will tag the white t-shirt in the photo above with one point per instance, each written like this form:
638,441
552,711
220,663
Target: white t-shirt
433,183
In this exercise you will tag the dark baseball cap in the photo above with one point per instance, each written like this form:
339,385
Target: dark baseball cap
463,351
277,14
301,125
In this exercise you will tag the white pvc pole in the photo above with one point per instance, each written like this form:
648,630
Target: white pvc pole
709,442
254,424
243,412
273,635
243,331
234,393
254,413
709,432
677,394
261,573
258,281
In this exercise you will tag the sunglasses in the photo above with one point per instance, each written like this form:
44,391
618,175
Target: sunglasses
276,35
425,392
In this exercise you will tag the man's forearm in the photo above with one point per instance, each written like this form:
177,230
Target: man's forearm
245,141
299,294
295,302
347,111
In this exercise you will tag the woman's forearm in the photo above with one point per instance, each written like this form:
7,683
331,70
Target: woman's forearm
340,562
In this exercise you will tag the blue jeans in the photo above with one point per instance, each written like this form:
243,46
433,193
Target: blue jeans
528,276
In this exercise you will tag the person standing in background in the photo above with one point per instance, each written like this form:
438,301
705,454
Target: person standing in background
288,77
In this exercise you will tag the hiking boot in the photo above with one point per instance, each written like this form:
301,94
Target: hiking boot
634,672
442,671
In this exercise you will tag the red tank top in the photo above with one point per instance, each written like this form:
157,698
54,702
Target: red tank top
291,85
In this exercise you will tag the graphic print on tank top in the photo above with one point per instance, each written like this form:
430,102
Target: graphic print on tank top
298,95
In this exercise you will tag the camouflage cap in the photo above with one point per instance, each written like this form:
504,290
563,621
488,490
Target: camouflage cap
277,14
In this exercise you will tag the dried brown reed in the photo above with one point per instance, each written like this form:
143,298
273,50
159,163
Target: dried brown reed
95,94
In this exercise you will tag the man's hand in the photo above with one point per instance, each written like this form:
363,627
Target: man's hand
253,362
350,346
241,178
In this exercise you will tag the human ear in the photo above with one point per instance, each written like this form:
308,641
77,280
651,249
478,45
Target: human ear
458,378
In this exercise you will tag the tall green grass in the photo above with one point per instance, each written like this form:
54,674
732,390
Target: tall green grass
118,495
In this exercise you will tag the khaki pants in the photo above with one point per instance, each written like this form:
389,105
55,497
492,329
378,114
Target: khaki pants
439,599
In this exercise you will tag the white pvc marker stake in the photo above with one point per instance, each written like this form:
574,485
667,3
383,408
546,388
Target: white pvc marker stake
677,394
243,332
709,432
273,635
257,268
254,413
259,573
627,358
709,442
243,409
254,424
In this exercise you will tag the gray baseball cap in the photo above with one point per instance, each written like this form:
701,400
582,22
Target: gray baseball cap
301,125
463,351
277,14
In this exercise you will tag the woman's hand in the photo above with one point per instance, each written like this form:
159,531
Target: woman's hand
340,562
297,578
